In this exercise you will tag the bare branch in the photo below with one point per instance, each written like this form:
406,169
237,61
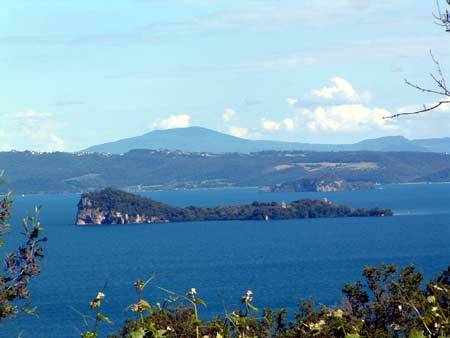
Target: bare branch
425,89
441,90
442,83
442,17
424,110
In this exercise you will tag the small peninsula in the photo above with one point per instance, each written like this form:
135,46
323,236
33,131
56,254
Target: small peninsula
112,206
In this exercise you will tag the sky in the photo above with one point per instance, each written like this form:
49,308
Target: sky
79,73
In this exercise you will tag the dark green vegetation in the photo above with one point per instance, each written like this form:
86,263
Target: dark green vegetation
389,302
29,172
197,139
111,206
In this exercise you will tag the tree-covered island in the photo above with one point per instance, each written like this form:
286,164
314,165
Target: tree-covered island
111,206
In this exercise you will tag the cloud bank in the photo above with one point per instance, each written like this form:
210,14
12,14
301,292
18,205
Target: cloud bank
174,121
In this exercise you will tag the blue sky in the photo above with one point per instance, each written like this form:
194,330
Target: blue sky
78,73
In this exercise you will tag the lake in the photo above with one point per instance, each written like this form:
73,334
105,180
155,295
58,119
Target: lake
281,261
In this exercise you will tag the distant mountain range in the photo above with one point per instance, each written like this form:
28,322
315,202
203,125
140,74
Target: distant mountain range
198,139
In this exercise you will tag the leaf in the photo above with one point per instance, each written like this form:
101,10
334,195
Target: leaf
161,333
89,334
102,317
143,304
138,333
416,334
251,307
32,311
200,301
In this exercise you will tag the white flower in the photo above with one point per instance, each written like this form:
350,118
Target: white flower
437,287
248,297
192,292
100,295
338,313
395,327
400,308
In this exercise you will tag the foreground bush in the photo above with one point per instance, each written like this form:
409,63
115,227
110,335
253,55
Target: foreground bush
389,302
22,264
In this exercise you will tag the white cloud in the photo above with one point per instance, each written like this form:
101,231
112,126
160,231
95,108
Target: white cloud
32,130
289,124
278,63
345,118
31,114
286,124
43,134
341,91
238,131
55,144
270,125
174,121
292,101
5,147
229,115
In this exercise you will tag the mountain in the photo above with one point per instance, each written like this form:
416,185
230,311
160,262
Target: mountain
198,139
193,139
32,172
438,145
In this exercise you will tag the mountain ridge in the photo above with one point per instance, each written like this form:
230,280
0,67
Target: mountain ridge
200,139
145,170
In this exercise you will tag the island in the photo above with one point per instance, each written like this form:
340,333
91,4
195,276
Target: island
318,185
112,206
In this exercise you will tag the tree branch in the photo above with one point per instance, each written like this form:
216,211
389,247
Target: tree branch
425,89
425,109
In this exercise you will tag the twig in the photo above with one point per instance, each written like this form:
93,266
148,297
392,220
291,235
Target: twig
426,109
425,89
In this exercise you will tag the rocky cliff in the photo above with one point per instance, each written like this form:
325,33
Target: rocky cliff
89,212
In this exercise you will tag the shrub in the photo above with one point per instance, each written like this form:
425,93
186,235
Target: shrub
390,302
21,265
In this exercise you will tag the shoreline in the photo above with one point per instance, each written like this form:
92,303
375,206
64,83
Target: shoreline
22,195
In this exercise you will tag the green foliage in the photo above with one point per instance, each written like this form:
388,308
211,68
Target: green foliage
64,172
21,265
388,303
121,207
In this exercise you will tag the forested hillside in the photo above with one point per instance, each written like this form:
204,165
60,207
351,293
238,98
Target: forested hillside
28,172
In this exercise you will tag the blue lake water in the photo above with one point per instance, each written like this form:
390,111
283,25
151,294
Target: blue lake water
281,261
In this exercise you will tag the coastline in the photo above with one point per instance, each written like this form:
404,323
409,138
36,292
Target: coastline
19,194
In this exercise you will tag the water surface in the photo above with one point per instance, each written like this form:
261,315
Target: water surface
282,261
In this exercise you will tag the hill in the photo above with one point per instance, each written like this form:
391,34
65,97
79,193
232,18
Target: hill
31,172
111,206
198,139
